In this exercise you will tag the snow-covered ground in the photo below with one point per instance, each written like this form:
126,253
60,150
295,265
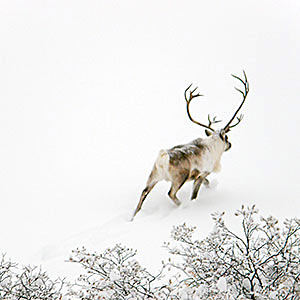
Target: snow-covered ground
92,90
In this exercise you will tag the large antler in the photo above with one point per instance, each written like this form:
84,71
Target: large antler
188,101
244,93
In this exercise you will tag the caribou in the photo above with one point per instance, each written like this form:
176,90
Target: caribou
193,161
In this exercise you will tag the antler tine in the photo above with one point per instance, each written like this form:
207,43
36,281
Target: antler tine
186,91
239,119
188,101
244,93
213,121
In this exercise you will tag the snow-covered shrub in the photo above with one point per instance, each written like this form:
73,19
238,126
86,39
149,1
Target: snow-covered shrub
263,262
27,283
113,275
6,277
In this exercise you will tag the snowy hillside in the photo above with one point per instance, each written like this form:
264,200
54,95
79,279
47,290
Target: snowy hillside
91,91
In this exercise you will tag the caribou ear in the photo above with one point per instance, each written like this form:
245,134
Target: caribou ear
207,132
222,134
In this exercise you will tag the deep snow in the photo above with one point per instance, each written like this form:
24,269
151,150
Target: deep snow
91,91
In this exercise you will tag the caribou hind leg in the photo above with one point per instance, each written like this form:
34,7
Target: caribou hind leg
152,181
177,183
145,193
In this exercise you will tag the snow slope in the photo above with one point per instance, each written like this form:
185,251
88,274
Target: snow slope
91,91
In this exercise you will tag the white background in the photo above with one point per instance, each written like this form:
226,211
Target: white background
90,91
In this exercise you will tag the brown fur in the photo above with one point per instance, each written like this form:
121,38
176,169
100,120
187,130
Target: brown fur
181,160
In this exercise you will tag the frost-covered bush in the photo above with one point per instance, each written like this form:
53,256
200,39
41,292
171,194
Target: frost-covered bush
6,275
113,275
261,263
27,283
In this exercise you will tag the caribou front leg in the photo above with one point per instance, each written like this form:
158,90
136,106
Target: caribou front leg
197,184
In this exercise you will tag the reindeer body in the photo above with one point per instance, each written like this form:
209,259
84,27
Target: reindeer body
194,160
200,156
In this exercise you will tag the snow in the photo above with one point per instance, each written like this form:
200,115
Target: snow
91,91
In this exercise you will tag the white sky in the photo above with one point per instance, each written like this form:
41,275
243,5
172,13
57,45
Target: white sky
91,90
